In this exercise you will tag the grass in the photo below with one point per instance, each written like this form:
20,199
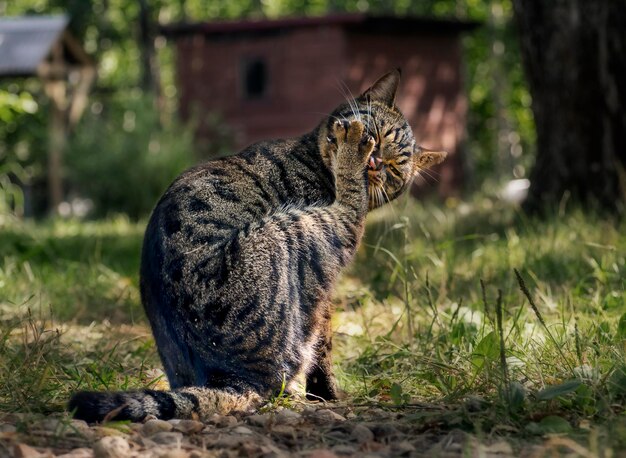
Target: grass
432,319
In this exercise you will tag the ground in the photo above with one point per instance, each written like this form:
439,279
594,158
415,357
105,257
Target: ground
441,347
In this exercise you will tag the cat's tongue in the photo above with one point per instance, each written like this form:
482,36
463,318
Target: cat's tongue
374,163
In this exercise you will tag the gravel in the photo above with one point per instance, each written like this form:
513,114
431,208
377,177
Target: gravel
315,431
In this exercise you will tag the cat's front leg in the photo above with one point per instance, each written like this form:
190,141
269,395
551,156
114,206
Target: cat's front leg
354,147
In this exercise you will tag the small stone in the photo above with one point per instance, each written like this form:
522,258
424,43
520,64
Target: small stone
228,421
259,420
26,451
385,431
222,421
253,449
80,428
7,428
111,447
284,431
288,417
403,447
361,434
80,425
344,450
167,438
144,442
323,416
309,411
104,431
498,448
187,426
229,442
136,427
242,430
337,435
152,427
50,424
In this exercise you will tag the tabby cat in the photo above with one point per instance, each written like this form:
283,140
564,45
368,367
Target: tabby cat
241,255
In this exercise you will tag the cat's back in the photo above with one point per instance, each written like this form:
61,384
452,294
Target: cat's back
229,193
196,223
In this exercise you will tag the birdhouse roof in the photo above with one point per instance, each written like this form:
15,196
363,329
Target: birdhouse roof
25,41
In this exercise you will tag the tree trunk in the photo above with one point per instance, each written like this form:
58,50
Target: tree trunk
146,47
574,54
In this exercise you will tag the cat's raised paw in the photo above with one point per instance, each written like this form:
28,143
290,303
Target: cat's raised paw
357,143
366,147
348,131
339,130
355,132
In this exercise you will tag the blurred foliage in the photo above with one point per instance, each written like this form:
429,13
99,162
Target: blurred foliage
127,172
500,132
17,109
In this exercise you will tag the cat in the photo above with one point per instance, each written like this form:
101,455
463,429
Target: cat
241,254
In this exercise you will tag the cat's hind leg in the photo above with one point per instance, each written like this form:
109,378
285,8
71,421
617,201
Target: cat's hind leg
320,382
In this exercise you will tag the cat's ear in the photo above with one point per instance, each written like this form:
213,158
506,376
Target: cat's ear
384,90
426,158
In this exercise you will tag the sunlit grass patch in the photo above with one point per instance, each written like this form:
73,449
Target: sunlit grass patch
43,362
81,271
415,330
70,316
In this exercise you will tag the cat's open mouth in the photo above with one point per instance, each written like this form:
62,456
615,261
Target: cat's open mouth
374,171
375,163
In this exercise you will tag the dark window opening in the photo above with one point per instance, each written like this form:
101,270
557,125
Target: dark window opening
254,78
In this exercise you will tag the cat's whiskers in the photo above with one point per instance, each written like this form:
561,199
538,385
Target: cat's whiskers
347,94
433,175
393,210
377,198
381,196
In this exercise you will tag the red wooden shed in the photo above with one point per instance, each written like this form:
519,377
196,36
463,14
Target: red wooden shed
277,78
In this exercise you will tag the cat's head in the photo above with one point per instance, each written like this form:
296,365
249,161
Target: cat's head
396,159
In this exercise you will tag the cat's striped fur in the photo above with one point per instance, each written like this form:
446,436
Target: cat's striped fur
241,254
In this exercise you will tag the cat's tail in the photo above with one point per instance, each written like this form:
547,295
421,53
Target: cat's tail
188,402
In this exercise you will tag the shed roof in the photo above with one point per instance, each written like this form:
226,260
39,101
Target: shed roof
26,40
387,23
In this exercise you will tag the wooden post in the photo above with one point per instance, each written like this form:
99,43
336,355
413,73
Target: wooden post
66,108
55,85
57,142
